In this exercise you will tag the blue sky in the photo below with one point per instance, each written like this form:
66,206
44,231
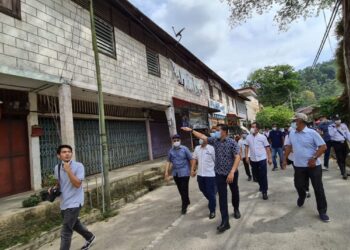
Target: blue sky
234,52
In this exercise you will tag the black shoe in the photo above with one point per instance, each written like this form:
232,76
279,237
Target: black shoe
308,195
184,210
300,202
236,214
345,176
223,227
274,169
212,215
264,196
249,178
88,243
255,180
324,218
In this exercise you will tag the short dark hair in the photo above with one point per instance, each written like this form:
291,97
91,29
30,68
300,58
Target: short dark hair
60,147
256,124
223,127
274,124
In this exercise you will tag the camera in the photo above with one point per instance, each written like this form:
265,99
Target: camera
54,193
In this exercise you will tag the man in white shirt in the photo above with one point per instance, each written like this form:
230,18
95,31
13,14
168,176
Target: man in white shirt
339,134
241,144
204,158
259,149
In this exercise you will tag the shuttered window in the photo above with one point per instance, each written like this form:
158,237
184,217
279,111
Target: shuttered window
11,7
211,91
153,62
105,37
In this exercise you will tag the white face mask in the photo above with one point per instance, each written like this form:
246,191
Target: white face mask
177,144
253,130
337,122
201,141
293,125
244,136
274,128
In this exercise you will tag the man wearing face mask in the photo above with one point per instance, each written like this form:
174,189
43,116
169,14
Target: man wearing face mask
323,129
204,158
276,139
340,135
307,146
226,170
241,144
258,149
180,158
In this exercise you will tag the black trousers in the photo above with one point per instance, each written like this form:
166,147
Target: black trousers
221,185
182,186
341,151
246,167
302,176
72,223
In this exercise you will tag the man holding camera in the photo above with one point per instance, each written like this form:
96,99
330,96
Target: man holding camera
69,175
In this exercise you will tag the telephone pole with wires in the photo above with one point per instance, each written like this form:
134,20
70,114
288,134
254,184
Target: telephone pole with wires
106,196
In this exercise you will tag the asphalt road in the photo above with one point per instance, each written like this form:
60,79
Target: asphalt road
154,221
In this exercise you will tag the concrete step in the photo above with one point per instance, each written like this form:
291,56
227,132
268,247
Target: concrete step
154,182
149,174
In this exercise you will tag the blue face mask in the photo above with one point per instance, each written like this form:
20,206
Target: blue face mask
217,134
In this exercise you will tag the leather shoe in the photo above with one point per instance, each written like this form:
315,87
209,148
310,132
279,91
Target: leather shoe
265,197
249,178
300,202
223,227
212,215
236,214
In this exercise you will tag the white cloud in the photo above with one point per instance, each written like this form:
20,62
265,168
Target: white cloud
234,53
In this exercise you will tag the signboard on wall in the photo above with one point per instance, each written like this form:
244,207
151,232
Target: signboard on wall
219,106
198,120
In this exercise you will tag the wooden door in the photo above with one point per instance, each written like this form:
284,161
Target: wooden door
14,156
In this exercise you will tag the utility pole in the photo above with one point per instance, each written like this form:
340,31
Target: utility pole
102,125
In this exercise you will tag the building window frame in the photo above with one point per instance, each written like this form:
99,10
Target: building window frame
15,11
211,91
98,22
153,63
220,95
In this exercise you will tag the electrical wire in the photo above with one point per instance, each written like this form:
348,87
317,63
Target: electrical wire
329,27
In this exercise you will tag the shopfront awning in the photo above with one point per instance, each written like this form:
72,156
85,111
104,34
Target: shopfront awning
180,103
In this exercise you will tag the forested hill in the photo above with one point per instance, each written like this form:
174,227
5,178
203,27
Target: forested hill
318,83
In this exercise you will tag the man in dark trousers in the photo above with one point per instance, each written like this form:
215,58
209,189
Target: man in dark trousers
307,147
70,175
180,157
276,138
340,136
323,129
258,150
226,164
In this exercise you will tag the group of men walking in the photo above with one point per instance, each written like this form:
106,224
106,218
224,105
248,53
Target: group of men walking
215,162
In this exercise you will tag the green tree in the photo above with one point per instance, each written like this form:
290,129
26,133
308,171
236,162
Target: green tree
289,11
281,115
274,84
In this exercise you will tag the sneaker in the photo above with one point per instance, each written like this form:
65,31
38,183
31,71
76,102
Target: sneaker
324,168
308,195
88,243
324,218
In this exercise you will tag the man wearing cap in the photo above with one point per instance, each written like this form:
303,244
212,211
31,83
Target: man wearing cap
227,160
307,146
340,135
180,157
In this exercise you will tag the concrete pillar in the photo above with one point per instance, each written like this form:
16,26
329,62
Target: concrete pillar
170,116
149,140
66,115
34,144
